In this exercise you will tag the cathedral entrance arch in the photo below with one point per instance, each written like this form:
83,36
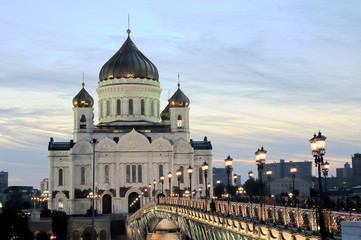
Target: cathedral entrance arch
132,208
87,233
107,204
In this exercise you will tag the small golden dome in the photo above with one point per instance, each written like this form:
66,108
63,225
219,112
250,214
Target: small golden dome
179,99
83,99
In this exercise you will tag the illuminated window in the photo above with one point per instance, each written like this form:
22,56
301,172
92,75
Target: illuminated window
60,204
106,174
127,173
180,122
130,106
118,107
108,108
140,173
134,173
60,177
82,176
142,112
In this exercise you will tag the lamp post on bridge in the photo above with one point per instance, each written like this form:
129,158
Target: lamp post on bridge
293,173
149,192
170,183
190,171
162,181
260,161
205,171
154,183
318,143
179,174
269,175
325,169
228,163
235,176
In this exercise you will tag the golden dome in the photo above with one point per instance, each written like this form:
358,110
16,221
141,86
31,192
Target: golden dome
83,99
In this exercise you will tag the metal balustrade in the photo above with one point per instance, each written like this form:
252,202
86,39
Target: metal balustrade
291,218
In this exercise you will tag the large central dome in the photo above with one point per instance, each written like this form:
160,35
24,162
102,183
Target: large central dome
128,62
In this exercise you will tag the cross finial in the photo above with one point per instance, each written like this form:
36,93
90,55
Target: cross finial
128,30
83,84
178,81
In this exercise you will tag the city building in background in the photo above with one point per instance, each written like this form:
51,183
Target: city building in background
356,169
4,181
345,172
136,142
282,169
283,185
44,185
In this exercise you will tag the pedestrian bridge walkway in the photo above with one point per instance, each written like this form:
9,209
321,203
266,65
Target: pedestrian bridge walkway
202,219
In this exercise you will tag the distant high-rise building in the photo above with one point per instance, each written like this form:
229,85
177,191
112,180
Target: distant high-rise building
44,185
345,172
4,177
282,169
356,168
221,174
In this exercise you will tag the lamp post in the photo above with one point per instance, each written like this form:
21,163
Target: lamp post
235,176
149,192
260,161
200,189
178,173
269,175
190,171
318,150
228,163
154,183
209,188
170,183
146,191
250,175
93,142
293,173
205,171
218,181
162,181
325,169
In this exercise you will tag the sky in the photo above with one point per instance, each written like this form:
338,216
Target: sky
257,73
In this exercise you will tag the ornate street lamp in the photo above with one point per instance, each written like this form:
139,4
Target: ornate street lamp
260,161
170,183
318,143
218,181
235,176
250,175
325,169
149,192
178,173
205,171
269,175
190,171
293,173
228,163
162,181
200,189
154,183
209,188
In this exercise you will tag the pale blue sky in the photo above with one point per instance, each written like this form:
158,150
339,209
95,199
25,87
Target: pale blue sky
257,73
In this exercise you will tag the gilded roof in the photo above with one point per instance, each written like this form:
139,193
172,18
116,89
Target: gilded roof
83,99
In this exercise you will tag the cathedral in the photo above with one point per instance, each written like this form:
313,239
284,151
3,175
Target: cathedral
135,144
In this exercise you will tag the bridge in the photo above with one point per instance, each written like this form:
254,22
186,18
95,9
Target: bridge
202,219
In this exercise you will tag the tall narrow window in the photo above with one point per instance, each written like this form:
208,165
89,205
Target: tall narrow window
108,108
182,176
118,107
101,109
130,106
142,112
151,108
127,174
180,122
160,170
60,177
82,175
82,121
134,173
158,107
106,174
140,173
200,175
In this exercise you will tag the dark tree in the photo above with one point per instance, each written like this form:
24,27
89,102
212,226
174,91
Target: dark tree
59,224
219,190
253,187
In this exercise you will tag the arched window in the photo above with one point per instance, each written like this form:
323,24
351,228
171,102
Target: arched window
118,107
180,122
142,111
130,106
100,109
106,174
151,108
82,121
182,176
140,173
200,175
158,107
60,204
160,171
108,108
82,175
60,179
127,173
134,173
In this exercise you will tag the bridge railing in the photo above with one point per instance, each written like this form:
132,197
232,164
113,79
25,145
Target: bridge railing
289,217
